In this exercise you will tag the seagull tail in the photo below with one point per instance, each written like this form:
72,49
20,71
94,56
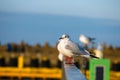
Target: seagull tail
93,56
86,56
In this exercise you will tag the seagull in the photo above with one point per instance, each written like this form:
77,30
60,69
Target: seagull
68,48
86,40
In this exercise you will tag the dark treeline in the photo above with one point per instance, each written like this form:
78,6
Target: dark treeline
35,56
46,52
24,47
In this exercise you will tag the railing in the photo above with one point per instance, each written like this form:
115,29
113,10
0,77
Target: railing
70,71
21,72
43,73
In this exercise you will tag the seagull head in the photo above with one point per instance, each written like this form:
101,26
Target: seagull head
64,36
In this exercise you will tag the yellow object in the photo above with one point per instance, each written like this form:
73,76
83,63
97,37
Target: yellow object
21,71
20,62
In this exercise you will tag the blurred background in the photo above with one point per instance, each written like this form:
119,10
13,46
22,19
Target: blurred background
31,29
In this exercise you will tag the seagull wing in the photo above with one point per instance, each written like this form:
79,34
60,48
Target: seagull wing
76,49
72,47
83,51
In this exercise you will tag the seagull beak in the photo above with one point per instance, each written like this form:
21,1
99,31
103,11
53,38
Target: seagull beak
60,38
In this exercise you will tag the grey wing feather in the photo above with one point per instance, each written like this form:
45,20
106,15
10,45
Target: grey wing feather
75,48
72,47
83,51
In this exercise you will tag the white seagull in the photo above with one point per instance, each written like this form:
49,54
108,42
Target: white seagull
69,48
86,40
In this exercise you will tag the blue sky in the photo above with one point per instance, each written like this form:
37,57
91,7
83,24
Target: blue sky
88,8
38,21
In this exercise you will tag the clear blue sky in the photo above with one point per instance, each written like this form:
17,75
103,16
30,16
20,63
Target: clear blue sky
38,21
89,8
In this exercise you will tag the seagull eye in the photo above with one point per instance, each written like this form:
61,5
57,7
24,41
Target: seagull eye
66,36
